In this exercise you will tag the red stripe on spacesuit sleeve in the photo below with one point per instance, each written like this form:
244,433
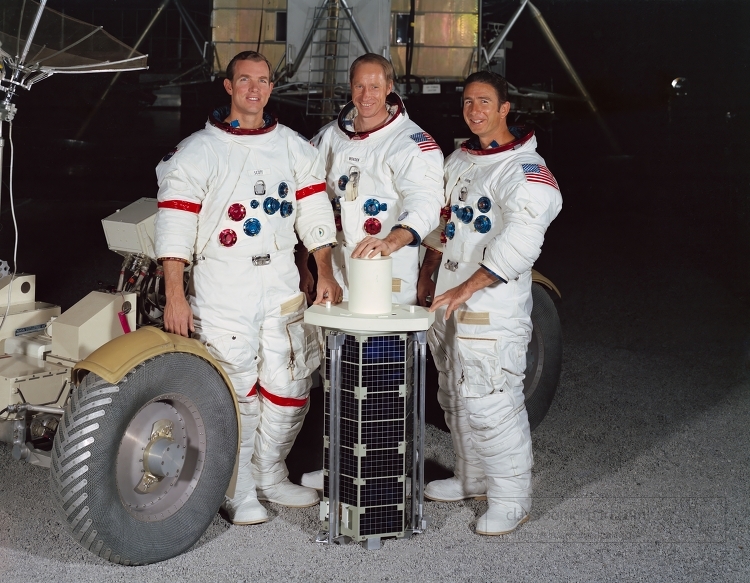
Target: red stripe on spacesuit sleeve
180,205
308,190
282,401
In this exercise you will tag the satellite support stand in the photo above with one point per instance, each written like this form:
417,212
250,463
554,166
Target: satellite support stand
374,376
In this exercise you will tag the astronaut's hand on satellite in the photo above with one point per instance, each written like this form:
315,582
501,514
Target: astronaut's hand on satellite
328,291
371,247
452,299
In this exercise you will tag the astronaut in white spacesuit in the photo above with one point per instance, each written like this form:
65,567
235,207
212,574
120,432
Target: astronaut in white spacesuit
231,197
500,200
384,176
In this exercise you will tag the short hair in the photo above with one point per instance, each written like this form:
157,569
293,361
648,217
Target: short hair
498,82
375,59
246,56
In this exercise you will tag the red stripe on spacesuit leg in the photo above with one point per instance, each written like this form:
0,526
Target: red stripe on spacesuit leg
282,401
308,190
253,391
180,205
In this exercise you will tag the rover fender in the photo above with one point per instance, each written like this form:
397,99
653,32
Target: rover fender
139,465
546,282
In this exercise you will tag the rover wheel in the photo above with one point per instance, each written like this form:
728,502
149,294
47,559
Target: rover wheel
543,356
139,469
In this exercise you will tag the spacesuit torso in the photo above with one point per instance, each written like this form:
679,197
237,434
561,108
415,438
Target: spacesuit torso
501,201
237,194
377,180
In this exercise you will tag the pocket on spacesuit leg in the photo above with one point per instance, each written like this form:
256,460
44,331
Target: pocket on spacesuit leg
235,353
305,348
479,360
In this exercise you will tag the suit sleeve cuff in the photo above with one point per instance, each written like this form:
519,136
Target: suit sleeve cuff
311,251
492,273
417,239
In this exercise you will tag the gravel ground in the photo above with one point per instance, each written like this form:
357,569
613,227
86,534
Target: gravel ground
641,466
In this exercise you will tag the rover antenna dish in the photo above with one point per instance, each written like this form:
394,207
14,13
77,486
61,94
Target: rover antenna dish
37,42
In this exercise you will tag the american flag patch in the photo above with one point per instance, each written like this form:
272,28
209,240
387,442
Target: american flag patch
539,173
424,141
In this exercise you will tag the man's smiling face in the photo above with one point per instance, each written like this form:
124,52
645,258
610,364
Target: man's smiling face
369,90
484,113
250,90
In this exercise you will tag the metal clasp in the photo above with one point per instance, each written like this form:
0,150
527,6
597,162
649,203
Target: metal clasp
261,259
352,186
451,265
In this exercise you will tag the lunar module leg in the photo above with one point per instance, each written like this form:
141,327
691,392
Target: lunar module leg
374,436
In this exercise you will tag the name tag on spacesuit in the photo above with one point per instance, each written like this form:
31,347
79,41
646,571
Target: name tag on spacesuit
355,159
261,172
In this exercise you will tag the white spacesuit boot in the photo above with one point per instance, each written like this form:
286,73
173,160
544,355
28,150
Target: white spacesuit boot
244,508
502,440
278,429
313,480
468,479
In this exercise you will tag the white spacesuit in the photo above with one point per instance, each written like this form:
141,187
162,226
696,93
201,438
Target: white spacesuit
230,200
501,201
379,180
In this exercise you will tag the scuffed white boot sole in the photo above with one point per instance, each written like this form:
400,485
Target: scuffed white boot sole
484,528
288,494
239,522
450,490
251,514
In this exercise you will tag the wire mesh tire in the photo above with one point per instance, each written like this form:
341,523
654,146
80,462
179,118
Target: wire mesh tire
543,356
173,409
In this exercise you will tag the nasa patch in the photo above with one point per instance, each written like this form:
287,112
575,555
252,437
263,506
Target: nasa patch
171,153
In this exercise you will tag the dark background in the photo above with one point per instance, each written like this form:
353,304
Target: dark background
625,52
